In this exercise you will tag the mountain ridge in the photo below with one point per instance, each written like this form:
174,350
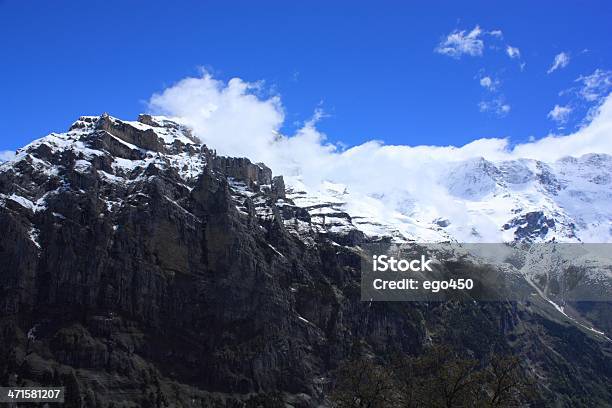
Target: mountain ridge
522,199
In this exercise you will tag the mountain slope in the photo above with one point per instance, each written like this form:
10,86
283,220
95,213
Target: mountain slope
141,269
476,200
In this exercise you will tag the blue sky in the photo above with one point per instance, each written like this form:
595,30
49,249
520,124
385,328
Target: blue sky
404,72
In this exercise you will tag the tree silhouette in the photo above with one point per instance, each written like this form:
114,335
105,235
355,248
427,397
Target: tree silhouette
438,378
364,384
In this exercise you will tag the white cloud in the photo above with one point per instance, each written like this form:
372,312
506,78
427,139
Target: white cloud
496,106
206,104
489,83
595,86
513,52
486,82
497,33
561,60
591,138
460,43
230,118
6,155
560,114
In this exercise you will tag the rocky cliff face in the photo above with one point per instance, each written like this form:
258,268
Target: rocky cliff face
138,268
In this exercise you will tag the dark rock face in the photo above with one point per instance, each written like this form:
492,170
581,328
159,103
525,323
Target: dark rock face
442,222
534,225
147,139
242,169
140,285
531,225
278,187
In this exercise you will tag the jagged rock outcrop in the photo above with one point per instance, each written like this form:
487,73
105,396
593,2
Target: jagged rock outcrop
530,226
243,170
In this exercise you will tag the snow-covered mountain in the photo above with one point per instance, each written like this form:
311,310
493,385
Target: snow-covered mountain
568,200
140,259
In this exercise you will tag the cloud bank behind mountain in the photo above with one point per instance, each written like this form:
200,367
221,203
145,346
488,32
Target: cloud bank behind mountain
232,118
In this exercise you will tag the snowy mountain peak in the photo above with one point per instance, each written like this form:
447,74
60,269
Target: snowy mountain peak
147,132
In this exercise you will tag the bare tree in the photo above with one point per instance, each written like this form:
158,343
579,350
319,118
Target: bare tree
364,384
439,378
507,385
